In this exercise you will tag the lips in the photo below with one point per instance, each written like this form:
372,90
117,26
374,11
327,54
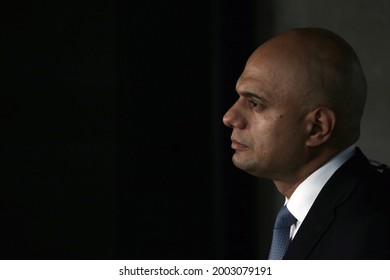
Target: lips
237,145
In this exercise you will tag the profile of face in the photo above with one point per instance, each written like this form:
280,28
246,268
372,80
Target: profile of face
283,114
268,118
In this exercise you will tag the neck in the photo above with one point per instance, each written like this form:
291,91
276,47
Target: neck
290,182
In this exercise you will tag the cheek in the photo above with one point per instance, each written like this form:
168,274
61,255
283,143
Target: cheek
263,135
289,137
276,135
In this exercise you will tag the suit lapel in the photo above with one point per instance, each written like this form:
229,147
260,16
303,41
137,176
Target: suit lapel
321,214
313,227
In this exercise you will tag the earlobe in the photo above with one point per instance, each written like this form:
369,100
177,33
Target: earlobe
320,126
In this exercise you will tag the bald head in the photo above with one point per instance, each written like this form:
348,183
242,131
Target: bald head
324,71
301,99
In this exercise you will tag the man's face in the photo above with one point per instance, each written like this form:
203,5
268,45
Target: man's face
268,119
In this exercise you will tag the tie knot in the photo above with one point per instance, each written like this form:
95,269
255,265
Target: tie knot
284,219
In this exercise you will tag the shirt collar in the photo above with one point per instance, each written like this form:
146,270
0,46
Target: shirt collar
304,196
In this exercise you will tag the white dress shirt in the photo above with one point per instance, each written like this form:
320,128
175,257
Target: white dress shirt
304,196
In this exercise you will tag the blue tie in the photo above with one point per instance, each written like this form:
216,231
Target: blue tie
281,235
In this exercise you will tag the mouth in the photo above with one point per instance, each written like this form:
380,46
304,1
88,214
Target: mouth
237,145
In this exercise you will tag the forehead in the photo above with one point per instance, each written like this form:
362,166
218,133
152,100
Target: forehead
252,83
257,77
274,71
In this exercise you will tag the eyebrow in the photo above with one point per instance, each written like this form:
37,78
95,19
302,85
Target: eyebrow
254,95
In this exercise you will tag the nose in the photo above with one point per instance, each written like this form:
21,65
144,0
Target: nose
227,118
233,118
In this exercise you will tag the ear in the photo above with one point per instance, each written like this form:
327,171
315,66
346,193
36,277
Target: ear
320,125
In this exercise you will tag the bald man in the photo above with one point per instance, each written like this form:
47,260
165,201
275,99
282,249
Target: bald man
300,101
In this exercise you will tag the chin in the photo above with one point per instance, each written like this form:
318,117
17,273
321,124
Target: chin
247,165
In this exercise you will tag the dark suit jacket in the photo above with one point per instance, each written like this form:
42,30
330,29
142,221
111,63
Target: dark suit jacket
350,219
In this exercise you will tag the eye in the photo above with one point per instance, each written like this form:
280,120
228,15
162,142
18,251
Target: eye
256,104
253,103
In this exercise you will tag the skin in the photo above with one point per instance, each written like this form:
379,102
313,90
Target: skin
300,101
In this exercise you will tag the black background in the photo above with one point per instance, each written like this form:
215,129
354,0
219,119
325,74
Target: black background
113,142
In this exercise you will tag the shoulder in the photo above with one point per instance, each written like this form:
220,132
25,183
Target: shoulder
380,183
362,180
361,166
380,175
381,169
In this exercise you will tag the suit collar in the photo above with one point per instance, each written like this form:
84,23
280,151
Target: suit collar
304,196
321,214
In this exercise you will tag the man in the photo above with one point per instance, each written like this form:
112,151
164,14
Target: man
300,101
